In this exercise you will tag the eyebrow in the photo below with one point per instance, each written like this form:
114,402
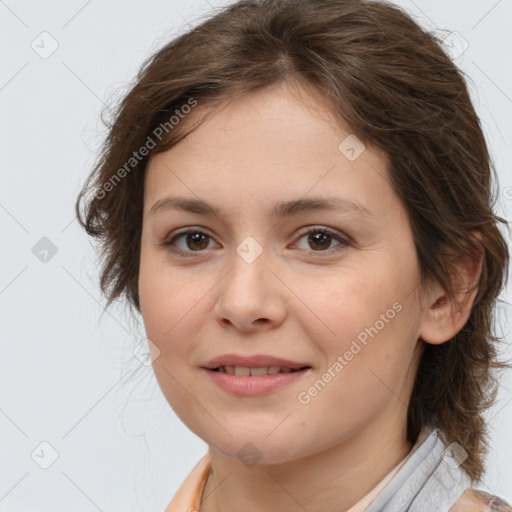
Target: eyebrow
281,209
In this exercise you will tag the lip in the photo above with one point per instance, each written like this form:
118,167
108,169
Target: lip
254,361
254,385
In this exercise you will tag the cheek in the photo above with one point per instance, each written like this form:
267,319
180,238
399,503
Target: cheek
366,317
347,303
165,297
366,365
167,307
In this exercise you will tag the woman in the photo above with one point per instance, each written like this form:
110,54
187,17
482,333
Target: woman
296,197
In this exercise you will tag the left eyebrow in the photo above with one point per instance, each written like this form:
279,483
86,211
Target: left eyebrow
281,209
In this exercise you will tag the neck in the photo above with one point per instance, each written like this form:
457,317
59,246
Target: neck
334,479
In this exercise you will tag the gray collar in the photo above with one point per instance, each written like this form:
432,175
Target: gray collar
431,479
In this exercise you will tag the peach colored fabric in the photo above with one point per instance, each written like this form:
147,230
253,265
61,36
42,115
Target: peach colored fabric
188,495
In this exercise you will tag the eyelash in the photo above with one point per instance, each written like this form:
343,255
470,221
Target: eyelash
344,242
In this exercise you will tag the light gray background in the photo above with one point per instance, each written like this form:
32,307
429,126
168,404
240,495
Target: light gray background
68,376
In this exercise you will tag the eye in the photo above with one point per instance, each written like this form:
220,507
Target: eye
320,238
193,241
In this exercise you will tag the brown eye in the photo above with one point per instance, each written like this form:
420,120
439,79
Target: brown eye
187,242
319,240
196,241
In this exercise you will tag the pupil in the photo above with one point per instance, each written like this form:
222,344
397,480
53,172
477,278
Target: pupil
196,239
318,238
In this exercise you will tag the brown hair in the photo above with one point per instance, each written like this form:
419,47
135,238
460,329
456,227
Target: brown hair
395,87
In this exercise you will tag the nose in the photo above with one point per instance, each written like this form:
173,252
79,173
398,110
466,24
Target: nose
250,296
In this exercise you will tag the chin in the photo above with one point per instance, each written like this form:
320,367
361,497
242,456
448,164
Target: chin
262,447
252,452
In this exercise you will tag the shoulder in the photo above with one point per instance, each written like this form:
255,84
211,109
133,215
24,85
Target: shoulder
479,501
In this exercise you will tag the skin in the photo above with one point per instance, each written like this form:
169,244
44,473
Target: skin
299,300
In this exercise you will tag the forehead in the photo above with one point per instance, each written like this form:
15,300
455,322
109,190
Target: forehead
269,145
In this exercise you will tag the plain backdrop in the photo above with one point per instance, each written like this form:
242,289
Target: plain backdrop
73,397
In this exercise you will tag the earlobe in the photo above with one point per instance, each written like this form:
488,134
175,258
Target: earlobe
444,317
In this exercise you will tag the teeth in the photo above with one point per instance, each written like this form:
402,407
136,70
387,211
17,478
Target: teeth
259,371
244,371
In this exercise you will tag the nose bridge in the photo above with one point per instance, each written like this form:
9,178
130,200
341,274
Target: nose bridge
247,294
246,278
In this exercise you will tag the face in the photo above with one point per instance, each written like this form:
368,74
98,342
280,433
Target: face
334,288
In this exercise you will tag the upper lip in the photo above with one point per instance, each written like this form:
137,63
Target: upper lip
254,361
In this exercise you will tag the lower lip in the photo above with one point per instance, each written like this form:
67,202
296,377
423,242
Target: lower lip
254,385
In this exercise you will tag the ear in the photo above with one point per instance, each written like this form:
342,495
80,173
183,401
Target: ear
443,318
